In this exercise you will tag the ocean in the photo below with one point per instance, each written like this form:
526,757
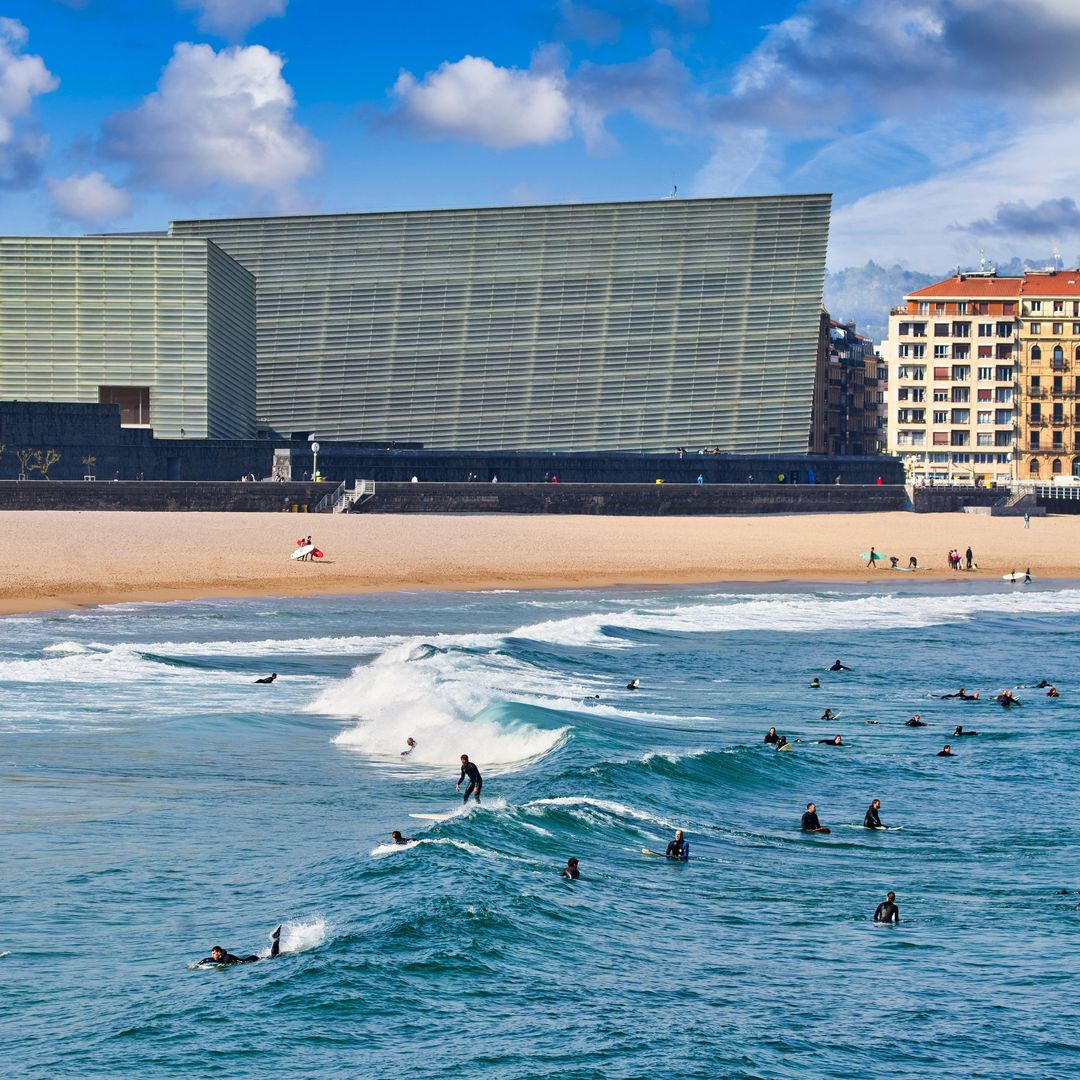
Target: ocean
156,801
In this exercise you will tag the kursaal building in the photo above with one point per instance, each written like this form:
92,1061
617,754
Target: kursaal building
615,326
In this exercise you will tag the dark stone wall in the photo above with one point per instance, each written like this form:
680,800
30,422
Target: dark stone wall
158,495
953,500
632,499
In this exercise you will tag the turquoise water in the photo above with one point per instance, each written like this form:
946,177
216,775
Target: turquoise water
156,802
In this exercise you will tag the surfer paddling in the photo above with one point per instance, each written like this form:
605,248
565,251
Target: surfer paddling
476,781
399,839
410,746
839,667
221,957
268,680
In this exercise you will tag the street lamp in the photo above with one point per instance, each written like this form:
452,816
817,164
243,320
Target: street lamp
314,459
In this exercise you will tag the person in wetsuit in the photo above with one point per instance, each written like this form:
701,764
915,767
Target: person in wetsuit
810,821
1006,700
476,781
960,731
781,742
410,746
678,848
945,751
771,736
915,721
828,714
399,839
834,740
887,911
962,694
873,818
815,683
218,955
1053,692
1044,685
571,871
839,667
633,684
269,679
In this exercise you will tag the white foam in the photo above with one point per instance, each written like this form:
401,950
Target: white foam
64,647
609,806
301,936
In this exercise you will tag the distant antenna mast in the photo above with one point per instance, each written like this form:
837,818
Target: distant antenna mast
1057,258
674,191
982,261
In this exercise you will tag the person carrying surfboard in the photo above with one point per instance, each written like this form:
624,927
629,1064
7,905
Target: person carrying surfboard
476,781
872,563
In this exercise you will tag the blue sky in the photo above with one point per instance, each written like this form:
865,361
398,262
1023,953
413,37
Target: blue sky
942,127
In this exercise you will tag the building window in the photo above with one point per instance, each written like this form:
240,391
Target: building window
961,329
961,438
1058,329
1036,328
986,329
134,402
939,309
1076,329
1033,467
984,439
961,395
1059,306
1057,385
985,416
1036,382
986,351
1055,465
985,394
961,416
941,373
1003,416
1003,373
941,352
985,374
1008,308
1004,352
1035,415
961,373
1036,352
1036,306
924,308
941,416
1033,440
961,308
1059,357
1003,438
1058,440
1059,417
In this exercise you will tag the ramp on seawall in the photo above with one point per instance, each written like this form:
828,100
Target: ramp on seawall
640,500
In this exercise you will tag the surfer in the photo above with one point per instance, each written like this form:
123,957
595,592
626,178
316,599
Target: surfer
915,721
269,679
781,742
1006,700
571,871
399,839
872,564
633,684
887,911
219,956
946,751
771,736
1027,576
815,683
828,714
810,821
839,667
960,731
679,848
962,695
410,746
913,563
476,781
1053,692
1045,684
834,740
873,817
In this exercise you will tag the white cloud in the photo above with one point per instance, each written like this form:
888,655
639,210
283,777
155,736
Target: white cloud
89,198
233,18
476,101
22,77
216,118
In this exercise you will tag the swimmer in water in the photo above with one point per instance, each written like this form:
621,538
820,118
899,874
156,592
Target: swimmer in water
815,683
476,781
960,731
915,721
1006,700
946,751
873,817
810,822
269,679
771,736
218,955
570,870
781,742
678,848
1053,692
410,746
1043,685
399,839
839,667
834,741
633,684
887,911
828,714
962,694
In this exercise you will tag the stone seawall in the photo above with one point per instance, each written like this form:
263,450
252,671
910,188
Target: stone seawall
158,495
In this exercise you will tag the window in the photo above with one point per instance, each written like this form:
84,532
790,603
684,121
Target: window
1033,440
908,371
1036,328
918,329
961,308
918,351
961,373
961,329
1003,395
941,395
941,373
960,438
1059,357
941,416
1003,373
1076,329
986,351
1033,467
986,439
902,394
1059,307
134,402
1058,329
961,352
1059,413
903,329
918,393
984,394
985,416
961,459
1035,413
986,329
1036,306
1004,352
980,307
1003,438
941,352
1003,417
1004,329
985,374
1036,382
1058,385
924,308
1036,352
941,329
1058,441
939,309
904,350
911,416
1055,465
939,459
1008,308
961,416
941,438
961,395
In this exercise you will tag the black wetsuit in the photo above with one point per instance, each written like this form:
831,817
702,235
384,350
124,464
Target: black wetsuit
944,753
872,819
571,873
675,849
228,959
810,822
772,737
476,782
827,714
828,742
887,912
914,723
269,679
839,667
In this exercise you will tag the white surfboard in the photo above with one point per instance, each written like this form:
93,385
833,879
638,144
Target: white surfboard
1014,578
307,549
433,817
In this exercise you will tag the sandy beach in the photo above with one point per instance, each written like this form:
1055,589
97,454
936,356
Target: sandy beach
69,559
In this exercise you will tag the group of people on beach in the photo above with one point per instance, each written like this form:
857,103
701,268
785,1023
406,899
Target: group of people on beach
967,559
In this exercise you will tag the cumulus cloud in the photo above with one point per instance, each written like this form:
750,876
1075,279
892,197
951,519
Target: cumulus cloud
216,118
233,18
652,89
1051,217
23,77
475,100
88,198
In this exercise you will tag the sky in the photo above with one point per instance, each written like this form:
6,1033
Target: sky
943,128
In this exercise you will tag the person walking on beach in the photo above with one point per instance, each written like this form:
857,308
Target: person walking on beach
476,781
1027,520
872,563
887,911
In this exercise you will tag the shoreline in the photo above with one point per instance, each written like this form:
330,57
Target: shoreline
67,560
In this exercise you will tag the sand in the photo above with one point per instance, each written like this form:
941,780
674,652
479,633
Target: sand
67,559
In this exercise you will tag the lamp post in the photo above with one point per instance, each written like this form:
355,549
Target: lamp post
314,460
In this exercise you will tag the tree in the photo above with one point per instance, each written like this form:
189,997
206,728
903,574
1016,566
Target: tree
43,462
25,457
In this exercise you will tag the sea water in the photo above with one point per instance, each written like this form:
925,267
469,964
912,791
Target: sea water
156,801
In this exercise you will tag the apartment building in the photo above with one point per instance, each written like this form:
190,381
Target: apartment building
847,391
1048,390
952,356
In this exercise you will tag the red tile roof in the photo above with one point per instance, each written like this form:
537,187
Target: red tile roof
965,287
1059,283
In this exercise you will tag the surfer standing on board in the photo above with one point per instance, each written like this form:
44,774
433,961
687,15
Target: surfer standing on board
476,781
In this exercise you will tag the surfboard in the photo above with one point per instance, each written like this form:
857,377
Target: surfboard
788,746
824,831
307,549
905,569
432,817
878,556
317,553
1013,578
649,851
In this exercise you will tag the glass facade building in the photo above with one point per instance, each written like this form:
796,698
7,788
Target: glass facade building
164,328
612,326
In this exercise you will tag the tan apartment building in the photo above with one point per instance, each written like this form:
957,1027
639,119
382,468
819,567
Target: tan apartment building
847,392
951,356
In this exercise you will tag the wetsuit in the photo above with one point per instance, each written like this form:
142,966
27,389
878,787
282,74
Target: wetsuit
267,680
914,723
571,873
772,738
839,667
887,912
828,742
475,780
810,822
827,714
228,959
944,753
676,849
872,819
